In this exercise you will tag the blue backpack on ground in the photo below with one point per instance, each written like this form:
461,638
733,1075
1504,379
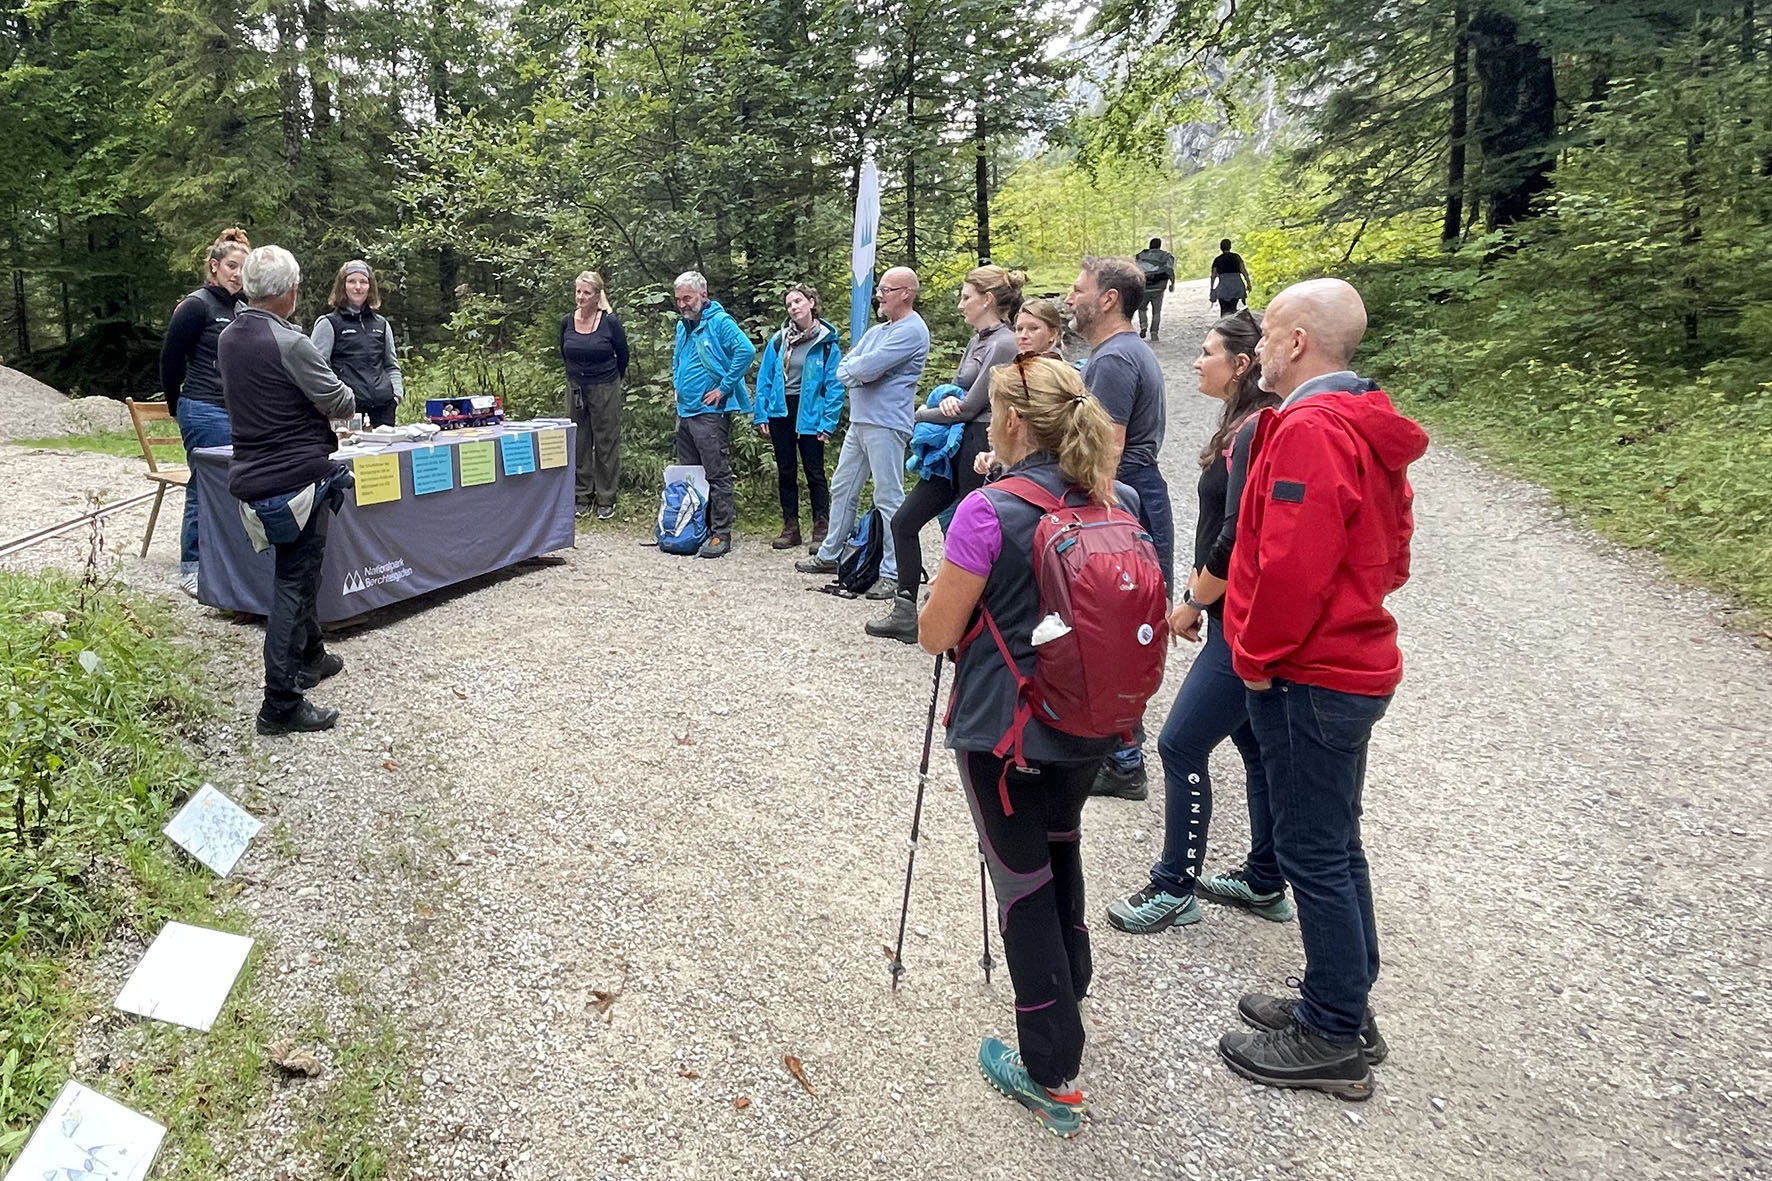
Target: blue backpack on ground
682,519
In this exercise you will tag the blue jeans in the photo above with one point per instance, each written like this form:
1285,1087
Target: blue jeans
1159,522
200,424
869,452
1209,709
1313,745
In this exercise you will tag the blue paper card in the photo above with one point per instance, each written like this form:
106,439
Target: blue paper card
433,470
518,452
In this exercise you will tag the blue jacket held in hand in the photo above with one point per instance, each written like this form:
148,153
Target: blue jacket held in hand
714,352
934,444
821,394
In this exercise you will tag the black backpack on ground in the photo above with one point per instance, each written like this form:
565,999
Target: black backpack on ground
860,566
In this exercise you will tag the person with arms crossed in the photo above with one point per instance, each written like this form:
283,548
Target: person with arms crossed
881,374
1323,537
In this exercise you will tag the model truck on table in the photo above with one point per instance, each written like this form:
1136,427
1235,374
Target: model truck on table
455,413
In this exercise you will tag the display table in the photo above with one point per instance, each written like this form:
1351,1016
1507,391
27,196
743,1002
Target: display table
423,516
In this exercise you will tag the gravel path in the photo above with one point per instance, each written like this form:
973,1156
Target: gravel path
686,786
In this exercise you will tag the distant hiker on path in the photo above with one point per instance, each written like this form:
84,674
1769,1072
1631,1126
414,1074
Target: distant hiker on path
190,378
1158,266
881,374
1322,537
709,361
1230,284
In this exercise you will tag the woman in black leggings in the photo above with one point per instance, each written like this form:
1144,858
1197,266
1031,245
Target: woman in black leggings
989,299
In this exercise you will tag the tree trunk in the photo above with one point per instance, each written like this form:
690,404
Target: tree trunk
448,263
61,240
317,21
1516,116
981,182
1461,85
289,85
21,312
910,155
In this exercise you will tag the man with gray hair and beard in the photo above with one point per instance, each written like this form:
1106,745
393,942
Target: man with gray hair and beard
709,360
281,398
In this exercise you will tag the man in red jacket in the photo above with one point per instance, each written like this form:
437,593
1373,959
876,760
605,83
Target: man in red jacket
1322,538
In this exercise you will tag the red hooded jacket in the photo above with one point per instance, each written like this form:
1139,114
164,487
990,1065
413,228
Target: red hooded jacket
1322,537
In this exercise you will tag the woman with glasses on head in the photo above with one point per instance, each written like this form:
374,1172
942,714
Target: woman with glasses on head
1044,427
990,299
594,349
1211,705
191,378
356,340
799,404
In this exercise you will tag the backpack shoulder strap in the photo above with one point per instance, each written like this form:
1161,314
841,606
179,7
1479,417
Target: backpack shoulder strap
1033,493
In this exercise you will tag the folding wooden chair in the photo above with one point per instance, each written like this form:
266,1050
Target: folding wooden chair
142,414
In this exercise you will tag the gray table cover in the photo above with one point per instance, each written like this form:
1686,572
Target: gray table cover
384,553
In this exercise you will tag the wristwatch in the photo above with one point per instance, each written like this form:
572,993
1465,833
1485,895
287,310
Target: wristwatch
1188,600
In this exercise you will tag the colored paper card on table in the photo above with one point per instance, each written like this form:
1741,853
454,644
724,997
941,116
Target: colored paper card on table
186,975
518,453
378,478
432,470
476,464
84,1134
552,445
213,829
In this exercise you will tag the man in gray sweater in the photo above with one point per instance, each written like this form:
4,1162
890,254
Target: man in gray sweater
281,397
881,373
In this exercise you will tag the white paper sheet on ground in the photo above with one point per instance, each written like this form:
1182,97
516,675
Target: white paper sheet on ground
87,1137
693,473
213,829
185,976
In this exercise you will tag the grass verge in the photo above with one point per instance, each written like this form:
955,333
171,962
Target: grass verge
122,443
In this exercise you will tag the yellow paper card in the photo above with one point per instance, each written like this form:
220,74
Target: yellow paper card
378,478
478,463
553,448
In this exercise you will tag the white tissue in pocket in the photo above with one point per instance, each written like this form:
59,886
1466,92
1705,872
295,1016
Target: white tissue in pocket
1050,628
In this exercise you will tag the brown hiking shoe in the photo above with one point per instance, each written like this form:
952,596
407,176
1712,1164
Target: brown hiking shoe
820,527
790,536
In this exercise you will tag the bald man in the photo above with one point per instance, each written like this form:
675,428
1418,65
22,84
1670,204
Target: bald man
880,372
1322,537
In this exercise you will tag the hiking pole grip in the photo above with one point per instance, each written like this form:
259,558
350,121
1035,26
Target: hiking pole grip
904,908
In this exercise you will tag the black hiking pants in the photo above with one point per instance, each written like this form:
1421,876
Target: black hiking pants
932,497
1036,868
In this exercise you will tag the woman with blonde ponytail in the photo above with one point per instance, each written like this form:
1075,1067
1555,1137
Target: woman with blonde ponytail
1047,429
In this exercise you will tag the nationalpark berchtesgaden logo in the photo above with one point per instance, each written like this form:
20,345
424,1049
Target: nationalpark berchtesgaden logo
393,570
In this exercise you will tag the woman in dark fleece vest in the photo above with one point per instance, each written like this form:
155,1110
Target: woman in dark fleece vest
359,344
189,375
1046,427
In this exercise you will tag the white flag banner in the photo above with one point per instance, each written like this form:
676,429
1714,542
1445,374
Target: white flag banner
861,259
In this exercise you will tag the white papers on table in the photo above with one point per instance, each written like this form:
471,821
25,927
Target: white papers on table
353,450
85,1135
213,829
186,975
550,422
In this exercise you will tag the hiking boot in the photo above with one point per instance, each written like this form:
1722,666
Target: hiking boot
1295,1057
305,718
900,623
329,665
820,527
882,590
714,547
1060,1113
605,512
815,565
790,536
1125,783
1233,889
1277,1012
1151,910
580,512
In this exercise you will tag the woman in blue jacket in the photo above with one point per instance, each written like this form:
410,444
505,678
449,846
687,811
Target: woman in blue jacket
799,404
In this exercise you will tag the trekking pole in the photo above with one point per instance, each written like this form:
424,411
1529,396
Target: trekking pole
904,909
984,920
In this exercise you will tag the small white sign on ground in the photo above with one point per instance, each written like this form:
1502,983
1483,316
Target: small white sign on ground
213,829
87,1137
186,975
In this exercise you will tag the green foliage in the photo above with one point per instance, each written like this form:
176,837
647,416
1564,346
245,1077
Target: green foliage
122,443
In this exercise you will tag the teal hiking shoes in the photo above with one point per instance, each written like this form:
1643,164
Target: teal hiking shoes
1153,909
1059,1113
1233,889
